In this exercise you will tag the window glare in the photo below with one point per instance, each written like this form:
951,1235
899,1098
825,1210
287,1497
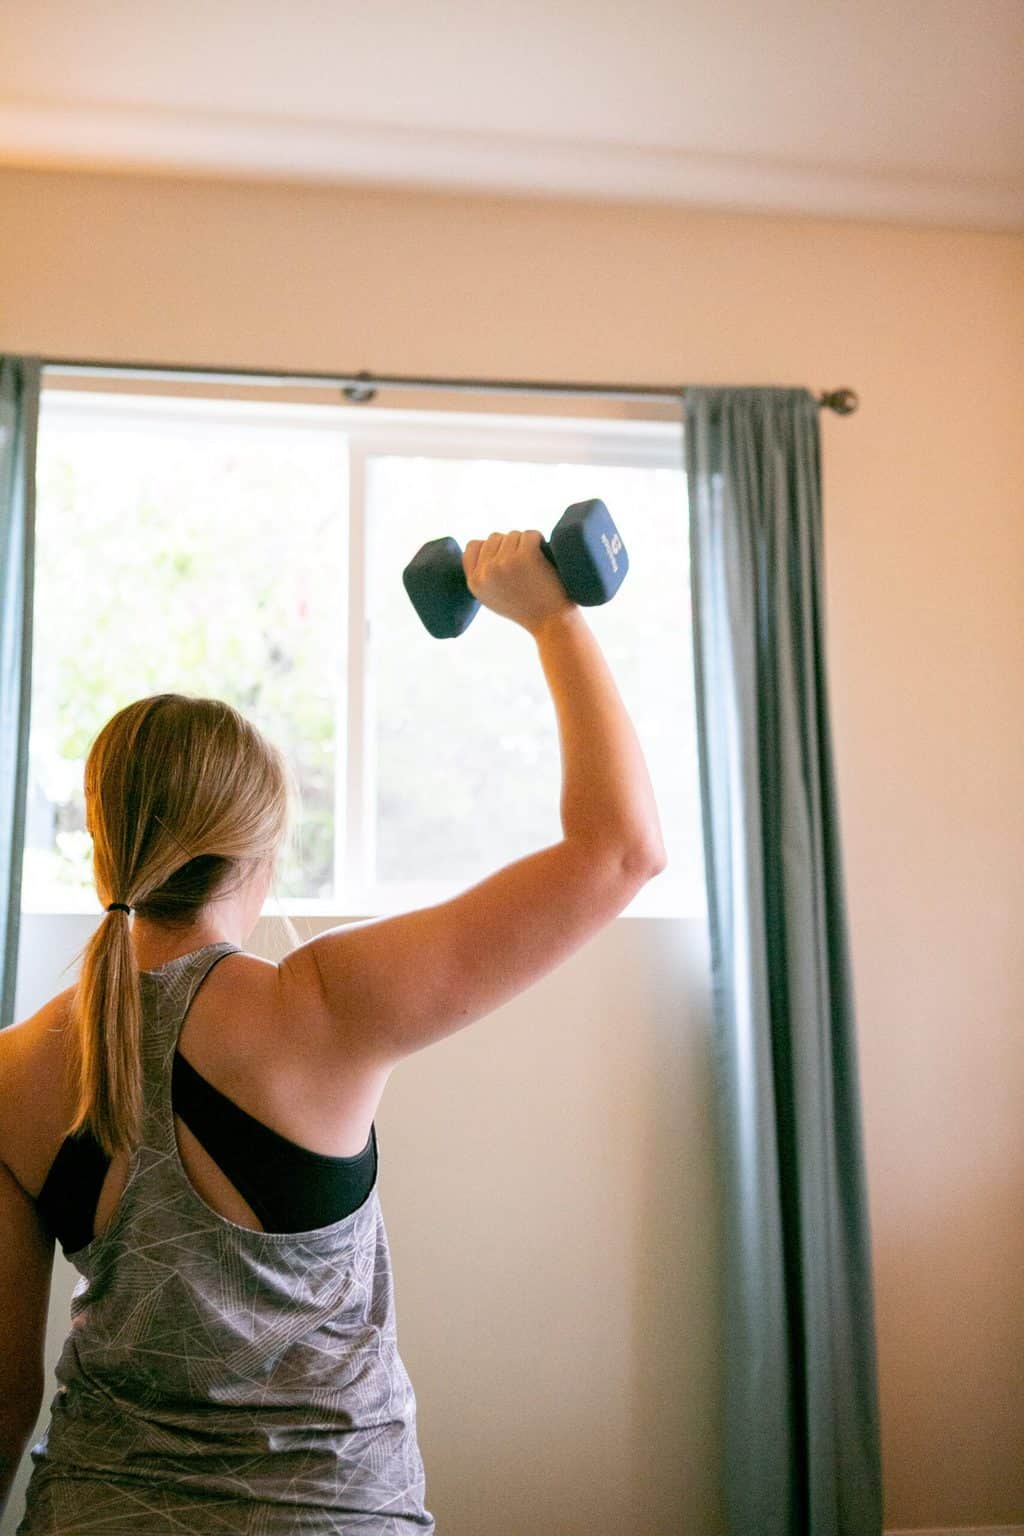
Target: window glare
194,556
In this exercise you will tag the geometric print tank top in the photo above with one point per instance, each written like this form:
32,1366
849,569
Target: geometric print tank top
217,1379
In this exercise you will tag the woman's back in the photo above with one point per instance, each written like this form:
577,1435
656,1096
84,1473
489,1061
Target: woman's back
218,1376
268,1053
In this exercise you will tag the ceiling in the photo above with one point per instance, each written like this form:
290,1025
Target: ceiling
905,110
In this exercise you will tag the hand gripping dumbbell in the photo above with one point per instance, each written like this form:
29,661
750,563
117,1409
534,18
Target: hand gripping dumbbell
585,549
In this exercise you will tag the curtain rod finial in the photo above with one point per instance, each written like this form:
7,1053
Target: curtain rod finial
843,401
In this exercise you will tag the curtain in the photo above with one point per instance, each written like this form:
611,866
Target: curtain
19,413
801,1433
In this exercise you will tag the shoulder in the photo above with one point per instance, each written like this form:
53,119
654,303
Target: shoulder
34,1087
247,1015
290,990
240,985
42,1032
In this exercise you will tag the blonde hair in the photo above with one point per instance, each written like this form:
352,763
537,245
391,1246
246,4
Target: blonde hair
184,798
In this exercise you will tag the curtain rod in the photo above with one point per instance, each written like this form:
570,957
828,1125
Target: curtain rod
362,387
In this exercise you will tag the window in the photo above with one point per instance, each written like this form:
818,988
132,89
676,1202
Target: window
254,550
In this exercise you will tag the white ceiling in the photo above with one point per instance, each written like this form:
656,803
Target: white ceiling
910,110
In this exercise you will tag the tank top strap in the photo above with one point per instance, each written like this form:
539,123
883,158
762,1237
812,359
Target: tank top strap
167,995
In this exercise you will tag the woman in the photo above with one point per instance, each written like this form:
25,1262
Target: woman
196,1125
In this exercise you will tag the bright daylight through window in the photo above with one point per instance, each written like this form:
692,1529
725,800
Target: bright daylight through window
253,551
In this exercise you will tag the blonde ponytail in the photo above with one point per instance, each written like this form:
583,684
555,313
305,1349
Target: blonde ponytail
184,796
107,1013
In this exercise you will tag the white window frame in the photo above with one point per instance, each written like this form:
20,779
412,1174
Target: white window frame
399,433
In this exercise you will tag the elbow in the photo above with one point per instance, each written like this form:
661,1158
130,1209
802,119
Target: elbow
647,861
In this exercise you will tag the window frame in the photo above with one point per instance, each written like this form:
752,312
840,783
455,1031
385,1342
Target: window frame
399,432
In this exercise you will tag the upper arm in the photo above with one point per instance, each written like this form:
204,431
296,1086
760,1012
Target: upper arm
391,986
26,1269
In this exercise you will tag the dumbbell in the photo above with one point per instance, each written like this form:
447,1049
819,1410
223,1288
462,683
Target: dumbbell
585,549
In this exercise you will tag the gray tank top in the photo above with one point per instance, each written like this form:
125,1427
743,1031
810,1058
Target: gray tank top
218,1379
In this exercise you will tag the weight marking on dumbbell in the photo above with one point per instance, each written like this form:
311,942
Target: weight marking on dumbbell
613,546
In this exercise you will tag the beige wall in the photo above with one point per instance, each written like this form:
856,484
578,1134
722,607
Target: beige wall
573,1386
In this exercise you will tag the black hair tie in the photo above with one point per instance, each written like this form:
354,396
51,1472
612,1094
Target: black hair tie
119,905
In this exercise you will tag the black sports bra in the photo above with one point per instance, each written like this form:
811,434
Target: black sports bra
290,1188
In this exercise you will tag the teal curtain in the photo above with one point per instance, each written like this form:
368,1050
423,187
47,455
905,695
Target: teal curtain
19,414
801,1453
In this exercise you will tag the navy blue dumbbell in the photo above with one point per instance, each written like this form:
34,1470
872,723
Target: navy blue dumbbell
585,549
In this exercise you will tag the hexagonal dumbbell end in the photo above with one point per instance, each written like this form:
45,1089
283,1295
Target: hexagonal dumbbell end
437,588
589,554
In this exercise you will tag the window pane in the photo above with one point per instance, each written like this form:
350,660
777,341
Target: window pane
468,770
193,549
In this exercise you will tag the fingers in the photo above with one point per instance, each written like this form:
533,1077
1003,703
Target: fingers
470,556
502,544
495,545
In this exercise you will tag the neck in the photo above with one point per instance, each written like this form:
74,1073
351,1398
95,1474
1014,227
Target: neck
155,946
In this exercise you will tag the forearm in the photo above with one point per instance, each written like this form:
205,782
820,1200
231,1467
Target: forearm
606,788
12,1449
